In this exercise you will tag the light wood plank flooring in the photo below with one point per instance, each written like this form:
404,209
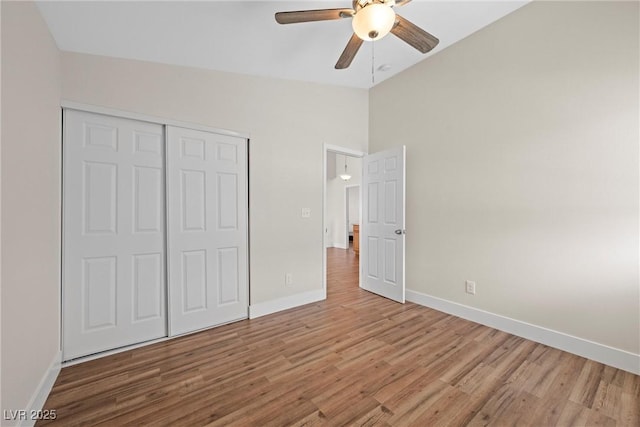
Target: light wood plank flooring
354,359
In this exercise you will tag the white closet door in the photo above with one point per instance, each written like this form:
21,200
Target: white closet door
114,274
207,179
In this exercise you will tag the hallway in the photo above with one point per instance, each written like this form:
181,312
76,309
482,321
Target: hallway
342,271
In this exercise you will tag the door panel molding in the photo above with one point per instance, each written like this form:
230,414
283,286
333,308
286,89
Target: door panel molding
113,233
383,223
117,287
209,217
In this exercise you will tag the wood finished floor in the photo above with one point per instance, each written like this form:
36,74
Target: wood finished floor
354,359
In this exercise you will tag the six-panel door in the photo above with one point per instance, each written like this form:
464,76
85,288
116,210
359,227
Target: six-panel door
207,182
116,234
383,218
114,260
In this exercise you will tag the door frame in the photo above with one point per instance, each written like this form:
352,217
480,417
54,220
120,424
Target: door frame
346,209
325,151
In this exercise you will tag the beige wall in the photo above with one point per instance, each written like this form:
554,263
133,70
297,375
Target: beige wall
30,203
522,167
288,121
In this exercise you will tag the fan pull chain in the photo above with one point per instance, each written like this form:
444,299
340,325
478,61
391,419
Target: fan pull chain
373,79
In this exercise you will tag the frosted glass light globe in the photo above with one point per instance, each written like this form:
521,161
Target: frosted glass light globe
373,21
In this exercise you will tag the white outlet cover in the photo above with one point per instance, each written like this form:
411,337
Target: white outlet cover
306,212
470,287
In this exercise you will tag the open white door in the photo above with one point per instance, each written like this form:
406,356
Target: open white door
382,230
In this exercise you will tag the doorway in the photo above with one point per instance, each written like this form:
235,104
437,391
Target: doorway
342,205
381,264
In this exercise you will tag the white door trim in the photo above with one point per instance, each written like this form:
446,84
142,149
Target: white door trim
339,150
346,211
72,105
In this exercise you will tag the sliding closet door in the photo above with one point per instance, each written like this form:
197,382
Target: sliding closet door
114,274
207,180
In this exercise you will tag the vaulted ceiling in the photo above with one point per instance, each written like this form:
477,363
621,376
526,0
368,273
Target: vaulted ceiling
243,37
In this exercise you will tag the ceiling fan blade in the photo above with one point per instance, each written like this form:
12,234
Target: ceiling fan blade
312,15
401,2
414,35
349,52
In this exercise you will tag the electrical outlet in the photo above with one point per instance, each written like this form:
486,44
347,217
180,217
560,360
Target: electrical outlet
470,287
305,212
288,279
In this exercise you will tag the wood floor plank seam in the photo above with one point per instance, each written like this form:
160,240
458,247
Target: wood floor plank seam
353,359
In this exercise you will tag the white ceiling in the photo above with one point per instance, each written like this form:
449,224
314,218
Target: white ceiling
243,37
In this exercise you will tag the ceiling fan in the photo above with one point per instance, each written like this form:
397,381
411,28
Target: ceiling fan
372,20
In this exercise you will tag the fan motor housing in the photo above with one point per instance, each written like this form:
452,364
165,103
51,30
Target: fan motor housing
359,4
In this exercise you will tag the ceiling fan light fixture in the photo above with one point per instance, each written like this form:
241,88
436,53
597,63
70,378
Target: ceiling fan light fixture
373,21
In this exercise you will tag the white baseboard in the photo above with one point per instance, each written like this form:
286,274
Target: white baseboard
44,388
285,303
617,358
